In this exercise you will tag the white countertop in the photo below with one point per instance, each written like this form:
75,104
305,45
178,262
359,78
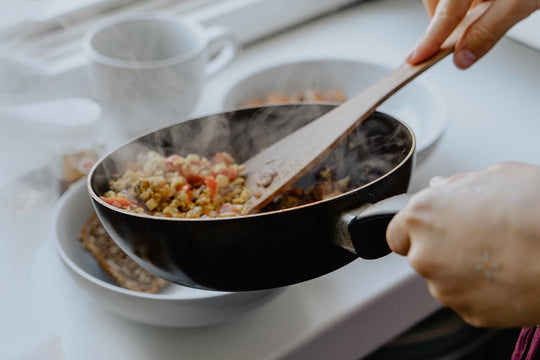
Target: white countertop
493,117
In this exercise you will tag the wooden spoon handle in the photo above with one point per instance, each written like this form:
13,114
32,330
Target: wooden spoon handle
283,163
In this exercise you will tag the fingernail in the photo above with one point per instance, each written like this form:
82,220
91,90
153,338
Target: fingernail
465,58
412,55
414,52
438,180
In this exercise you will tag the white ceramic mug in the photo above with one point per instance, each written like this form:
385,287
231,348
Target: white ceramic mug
148,70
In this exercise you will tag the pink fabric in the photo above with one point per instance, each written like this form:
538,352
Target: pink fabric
528,344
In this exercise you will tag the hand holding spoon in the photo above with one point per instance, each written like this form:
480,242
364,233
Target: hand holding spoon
280,165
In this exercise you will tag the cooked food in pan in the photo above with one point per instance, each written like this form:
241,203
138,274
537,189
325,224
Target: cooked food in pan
181,187
239,253
196,187
326,187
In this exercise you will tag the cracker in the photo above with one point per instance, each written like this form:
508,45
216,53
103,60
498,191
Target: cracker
118,266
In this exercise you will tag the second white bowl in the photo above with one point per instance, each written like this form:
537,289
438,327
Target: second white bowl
418,104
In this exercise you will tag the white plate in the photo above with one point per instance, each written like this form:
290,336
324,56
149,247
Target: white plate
418,104
174,306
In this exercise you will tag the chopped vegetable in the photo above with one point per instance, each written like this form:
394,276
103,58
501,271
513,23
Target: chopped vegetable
178,186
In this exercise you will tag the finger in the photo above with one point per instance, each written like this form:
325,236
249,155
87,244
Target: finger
438,181
482,35
397,235
430,6
476,2
448,15
446,180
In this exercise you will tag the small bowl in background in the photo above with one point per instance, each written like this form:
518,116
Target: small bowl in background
173,306
418,104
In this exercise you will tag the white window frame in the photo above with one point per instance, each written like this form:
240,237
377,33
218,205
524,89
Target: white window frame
54,44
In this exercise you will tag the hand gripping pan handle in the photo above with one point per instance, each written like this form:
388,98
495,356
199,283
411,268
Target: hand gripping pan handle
363,230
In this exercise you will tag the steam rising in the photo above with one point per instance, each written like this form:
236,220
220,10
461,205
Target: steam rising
372,149
138,75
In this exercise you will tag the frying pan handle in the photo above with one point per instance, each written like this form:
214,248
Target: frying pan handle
363,230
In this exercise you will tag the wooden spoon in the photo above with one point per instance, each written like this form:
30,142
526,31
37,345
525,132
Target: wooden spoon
280,165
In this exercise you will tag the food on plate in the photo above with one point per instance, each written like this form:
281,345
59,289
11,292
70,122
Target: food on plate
180,187
115,263
310,95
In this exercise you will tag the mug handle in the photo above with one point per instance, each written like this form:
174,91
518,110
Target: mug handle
227,52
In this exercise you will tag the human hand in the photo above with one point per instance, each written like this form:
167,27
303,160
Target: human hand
479,38
475,238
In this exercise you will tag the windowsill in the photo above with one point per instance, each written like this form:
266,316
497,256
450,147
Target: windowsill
53,45
346,314
51,64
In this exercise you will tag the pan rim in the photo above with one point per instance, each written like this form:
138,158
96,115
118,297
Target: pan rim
98,200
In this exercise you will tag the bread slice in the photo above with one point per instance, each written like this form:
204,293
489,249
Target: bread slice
115,263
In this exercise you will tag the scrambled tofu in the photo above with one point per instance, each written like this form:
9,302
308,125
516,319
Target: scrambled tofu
180,187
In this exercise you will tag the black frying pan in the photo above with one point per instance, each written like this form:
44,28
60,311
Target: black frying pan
268,249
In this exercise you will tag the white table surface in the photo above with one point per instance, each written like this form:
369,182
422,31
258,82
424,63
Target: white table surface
493,116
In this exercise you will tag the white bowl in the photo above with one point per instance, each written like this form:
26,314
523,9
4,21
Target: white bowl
418,104
174,306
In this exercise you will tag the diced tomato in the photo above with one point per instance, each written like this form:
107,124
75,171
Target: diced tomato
119,202
212,185
194,179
